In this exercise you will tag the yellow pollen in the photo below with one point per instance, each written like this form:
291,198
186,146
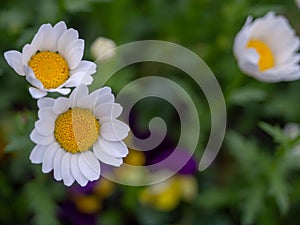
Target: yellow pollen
76,130
50,68
266,58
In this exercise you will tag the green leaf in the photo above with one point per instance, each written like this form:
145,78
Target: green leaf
214,198
18,143
41,198
253,203
275,132
279,189
244,95
250,157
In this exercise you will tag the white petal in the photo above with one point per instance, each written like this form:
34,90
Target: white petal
45,102
114,148
78,93
106,158
45,127
53,36
37,40
57,164
89,165
87,79
292,76
37,154
37,93
48,159
109,110
105,90
65,39
114,130
61,105
66,169
74,53
44,31
77,174
63,91
46,113
86,67
30,77
73,57
75,79
27,52
14,59
88,102
60,27
105,98
40,139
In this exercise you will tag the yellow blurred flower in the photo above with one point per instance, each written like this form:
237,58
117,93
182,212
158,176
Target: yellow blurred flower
135,158
88,203
91,202
167,195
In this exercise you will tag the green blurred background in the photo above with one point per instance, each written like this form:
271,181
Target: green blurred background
255,178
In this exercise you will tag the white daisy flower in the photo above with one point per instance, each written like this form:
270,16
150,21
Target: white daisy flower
103,48
53,61
267,49
73,134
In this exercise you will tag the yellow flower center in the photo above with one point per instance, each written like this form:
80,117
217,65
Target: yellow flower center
266,58
76,130
50,68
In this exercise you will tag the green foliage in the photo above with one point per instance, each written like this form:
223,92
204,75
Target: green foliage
42,201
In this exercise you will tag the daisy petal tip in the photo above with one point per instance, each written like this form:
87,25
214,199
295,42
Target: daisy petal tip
68,183
14,60
37,93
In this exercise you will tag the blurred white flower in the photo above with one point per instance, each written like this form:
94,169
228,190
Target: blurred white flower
291,130
103,48
267,49
53,61
73,134
297,3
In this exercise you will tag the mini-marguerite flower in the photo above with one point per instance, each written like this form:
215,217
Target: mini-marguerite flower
53,61
267,49
73,134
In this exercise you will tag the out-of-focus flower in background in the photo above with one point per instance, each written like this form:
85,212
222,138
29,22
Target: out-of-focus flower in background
89,199
68,128
53,61
103,48
130,174
167,195
267,49
292,131
297,3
